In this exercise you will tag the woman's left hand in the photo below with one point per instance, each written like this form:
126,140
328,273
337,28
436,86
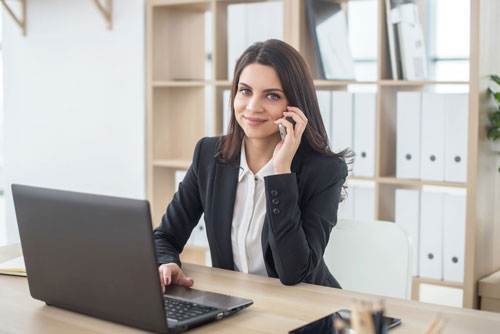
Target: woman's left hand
285,150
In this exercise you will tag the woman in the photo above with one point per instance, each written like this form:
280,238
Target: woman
269,204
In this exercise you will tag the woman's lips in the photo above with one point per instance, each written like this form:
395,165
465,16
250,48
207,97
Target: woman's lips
254,121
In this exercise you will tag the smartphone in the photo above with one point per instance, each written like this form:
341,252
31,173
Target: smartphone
325,324
282,128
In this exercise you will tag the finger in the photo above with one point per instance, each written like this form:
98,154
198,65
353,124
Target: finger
167,275
160,271
297,119
300,125
298,111
183,280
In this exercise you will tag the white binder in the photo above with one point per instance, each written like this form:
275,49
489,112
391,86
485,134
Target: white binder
248,23
236,35
408,135
342,121
431,235
226,110
346,207
364,203
456,137
324,101
364,134
432,137
411,41
454,237
407,215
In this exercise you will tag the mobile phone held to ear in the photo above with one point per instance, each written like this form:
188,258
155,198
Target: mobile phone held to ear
282,128
282,131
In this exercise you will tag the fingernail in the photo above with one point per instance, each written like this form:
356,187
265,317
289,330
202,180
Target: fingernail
166,281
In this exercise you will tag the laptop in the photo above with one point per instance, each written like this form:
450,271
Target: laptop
95,255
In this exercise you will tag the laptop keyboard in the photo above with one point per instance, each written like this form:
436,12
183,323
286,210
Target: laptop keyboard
178,310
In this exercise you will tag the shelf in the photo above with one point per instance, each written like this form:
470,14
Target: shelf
223,83
419,83
340,83
197,4
409,182
421,280
180,83
360,178
172,163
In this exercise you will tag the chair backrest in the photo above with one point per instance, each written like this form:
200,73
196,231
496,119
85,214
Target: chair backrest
371,256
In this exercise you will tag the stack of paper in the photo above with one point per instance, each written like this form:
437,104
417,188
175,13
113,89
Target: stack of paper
13,267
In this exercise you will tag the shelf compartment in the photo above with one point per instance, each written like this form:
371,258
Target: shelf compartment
163,191
422,280
178,122
179,54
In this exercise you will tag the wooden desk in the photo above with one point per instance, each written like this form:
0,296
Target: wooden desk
277,308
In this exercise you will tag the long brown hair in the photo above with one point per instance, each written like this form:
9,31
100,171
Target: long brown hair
298,87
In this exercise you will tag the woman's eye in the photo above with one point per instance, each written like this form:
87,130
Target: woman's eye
274,96
244,91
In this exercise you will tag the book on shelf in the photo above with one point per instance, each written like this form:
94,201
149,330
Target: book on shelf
328,29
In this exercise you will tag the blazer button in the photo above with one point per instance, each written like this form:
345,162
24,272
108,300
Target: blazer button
274,193
275,201
276,211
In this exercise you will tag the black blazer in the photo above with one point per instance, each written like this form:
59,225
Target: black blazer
301,210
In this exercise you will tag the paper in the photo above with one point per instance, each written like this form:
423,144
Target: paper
13,267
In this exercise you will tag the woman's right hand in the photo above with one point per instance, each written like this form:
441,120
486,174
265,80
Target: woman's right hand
171,273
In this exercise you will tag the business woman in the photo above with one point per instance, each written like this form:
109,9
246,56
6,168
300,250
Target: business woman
269,204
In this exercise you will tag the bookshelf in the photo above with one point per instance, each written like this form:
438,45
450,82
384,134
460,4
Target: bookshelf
184,104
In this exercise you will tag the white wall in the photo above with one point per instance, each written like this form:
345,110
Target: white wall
74,100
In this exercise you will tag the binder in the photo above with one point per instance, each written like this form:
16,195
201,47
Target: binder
407,216
236,36
408,135
432,137
341,121
249,23
411,41
364,203
456,137
226,110
324,101
346,207
431,235
454,237
327,22
364,134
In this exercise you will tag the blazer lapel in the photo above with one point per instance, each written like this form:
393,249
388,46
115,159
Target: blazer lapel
224,193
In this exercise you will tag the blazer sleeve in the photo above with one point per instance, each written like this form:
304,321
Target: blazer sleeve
182,215
299,233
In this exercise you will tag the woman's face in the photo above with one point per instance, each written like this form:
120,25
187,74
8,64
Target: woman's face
259,101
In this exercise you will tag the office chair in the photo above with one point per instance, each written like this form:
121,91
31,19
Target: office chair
372,257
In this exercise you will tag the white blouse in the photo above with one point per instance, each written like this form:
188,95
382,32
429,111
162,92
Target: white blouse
248,218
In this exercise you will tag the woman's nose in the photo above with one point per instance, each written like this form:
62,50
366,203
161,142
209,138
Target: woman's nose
254,104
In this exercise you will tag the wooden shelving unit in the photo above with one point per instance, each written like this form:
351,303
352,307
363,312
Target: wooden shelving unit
178,109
